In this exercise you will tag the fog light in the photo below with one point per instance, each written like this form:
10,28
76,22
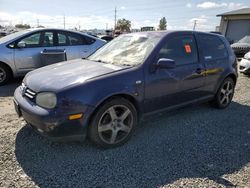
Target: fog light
76,116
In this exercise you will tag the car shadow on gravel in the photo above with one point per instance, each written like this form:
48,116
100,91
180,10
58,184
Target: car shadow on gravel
194,142
8,89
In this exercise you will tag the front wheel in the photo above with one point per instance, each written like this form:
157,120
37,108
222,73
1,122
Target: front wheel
225,94
5,74
113,123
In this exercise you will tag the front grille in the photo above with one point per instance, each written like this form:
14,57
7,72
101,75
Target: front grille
28,92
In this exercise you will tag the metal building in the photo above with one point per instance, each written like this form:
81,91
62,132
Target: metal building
235,24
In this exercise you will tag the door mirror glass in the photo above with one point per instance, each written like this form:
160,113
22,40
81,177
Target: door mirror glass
21,44
164,63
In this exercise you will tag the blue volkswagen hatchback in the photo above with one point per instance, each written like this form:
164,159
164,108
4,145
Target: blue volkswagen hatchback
134,75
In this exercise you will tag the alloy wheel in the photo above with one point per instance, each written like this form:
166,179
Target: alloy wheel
226,93
2,75
115,124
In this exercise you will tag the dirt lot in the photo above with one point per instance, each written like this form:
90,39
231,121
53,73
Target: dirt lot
193,147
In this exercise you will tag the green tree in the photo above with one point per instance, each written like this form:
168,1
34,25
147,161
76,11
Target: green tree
22,26
163,24
123,25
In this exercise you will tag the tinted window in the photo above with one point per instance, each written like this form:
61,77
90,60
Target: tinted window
62,39
32,40
182,49
75,39
48,39
89,40
70,39
212,47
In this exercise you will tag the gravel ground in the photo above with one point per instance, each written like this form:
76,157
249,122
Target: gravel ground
196,146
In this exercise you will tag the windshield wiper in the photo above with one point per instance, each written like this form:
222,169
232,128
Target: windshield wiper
101,61
127,65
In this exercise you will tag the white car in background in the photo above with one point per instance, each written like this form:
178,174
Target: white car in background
245,64
30,49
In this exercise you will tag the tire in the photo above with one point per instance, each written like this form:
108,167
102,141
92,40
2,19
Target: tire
225,94
5,74
113,123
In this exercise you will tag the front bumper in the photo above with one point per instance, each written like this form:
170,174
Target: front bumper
51,123
245,66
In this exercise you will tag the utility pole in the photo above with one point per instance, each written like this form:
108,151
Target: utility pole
37,22
115,17
64,21
195,23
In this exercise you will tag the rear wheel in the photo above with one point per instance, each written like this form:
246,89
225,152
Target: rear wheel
5,74
113,123
225,94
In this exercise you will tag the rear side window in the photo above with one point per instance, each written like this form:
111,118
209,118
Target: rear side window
75,39
182,49
89,40
62,39
70,39
48,39
212,47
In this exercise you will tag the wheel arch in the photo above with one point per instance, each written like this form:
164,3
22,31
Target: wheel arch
233,76
128,97
10,69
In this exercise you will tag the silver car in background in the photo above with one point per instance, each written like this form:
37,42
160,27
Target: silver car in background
245,64
23,51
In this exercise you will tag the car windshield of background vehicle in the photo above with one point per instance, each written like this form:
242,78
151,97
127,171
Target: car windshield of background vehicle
245,39
126,50
13,36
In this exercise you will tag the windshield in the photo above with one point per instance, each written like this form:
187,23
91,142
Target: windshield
130,50
245,39
13,36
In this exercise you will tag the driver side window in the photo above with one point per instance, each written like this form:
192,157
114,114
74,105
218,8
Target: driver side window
32,41
181,49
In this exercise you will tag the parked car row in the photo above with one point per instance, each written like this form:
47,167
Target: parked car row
242,52
24,51
245,64
135,75
241,47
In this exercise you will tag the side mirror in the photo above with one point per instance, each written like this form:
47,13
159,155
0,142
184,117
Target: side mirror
164,63
21,44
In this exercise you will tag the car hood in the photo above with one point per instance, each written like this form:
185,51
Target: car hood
61,75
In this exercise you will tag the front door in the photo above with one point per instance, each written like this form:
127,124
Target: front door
28,56
174,86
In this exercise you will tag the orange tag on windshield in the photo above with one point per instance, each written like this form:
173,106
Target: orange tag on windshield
188,48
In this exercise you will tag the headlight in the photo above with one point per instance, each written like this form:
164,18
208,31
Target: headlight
46,100
247,56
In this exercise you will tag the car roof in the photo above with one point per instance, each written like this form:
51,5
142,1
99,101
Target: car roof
66,30
164,33
57,29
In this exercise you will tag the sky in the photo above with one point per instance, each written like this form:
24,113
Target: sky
99,14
